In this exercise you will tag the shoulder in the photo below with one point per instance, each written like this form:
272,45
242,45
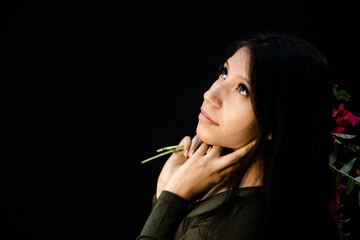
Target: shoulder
247,212
246,216
250,201
241,219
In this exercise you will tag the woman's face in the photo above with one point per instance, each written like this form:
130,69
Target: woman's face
227,118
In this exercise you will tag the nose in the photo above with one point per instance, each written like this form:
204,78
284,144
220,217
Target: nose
213,96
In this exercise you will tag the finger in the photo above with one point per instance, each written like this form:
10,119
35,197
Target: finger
201,150
215,150
209,149
195,144
185,142
235,156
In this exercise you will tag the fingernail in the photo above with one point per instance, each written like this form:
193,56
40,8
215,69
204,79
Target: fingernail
191,153
185,153
254,143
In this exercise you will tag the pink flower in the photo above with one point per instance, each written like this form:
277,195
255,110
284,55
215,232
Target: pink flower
335,194
345,118
336,111
338,130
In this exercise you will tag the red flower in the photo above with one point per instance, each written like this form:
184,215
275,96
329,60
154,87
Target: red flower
338,130
334,200
336,111
345,118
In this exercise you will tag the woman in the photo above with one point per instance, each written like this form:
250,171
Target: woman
258,166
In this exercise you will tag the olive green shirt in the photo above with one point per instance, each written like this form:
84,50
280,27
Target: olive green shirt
169,211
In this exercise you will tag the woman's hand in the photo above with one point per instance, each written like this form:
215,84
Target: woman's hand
204,170
176,160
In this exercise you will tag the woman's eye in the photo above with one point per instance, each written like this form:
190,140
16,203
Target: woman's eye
242,89
223,71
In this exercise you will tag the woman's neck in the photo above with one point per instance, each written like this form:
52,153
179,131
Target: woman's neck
252,178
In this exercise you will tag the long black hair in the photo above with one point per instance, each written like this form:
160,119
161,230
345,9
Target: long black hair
291,94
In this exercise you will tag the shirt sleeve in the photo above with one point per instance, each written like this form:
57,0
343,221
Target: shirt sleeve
165,217
153,202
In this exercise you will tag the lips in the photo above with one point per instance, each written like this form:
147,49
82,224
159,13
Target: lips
204,116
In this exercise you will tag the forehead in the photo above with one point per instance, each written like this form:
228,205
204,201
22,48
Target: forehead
239,62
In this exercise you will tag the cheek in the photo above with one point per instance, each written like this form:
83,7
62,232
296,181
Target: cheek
235,120
243,133
239,129
235,132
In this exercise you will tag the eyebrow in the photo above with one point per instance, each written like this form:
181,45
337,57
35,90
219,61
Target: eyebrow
242,77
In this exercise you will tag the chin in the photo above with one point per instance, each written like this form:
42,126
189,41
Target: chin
208,137
211,138
204,135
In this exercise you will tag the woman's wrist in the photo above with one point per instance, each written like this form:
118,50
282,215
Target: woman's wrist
166,193
179,191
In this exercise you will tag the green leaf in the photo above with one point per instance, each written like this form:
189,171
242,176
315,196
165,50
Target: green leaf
333,156
356,148
350,186
342,94
344,136
338,180
357,180
347,167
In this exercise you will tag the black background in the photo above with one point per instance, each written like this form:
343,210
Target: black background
89,89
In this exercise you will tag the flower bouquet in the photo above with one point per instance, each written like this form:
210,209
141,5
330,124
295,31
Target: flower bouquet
344,161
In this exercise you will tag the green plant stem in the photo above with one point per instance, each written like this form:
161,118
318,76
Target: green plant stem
170,148
162,154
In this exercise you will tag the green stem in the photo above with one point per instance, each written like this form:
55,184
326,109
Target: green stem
170,148
161,154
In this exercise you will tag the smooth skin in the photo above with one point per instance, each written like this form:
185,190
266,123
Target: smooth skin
227,103
226,120
203,171
176,160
